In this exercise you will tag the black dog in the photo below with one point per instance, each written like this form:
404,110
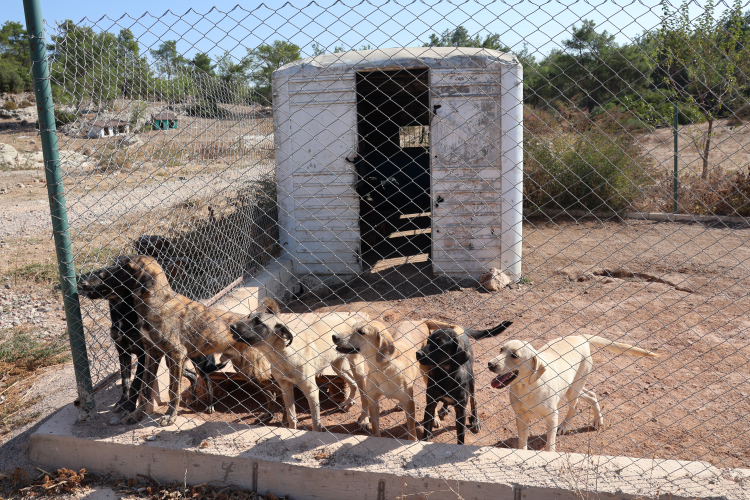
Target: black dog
126,336
450,379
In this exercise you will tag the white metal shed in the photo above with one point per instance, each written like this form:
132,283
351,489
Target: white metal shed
335,113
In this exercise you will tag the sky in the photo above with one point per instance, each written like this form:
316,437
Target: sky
215,26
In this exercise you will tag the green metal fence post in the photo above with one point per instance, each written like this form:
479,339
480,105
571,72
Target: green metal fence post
676,124
58,211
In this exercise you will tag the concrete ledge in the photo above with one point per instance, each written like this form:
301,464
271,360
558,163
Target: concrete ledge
316,465
273,281
658,216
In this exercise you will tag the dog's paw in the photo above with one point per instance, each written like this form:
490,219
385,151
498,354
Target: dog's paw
563,429
132,418
474,425
599,423
348,405
210,409
444,412
166,420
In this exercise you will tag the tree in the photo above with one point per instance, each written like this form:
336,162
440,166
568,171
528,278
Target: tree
460,37
14,45
705,62
203,63
230,71
589,71
167,60
263,60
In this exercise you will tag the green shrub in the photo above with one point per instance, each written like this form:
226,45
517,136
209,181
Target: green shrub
207,109
64,117
581,170
10,80
10,105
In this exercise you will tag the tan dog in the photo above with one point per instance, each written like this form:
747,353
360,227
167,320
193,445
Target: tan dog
256,368
172,325
538,380
297,354
392,370
392,367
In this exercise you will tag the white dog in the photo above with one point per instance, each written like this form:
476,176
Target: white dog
539,379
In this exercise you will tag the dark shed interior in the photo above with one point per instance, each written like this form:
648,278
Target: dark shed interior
393,170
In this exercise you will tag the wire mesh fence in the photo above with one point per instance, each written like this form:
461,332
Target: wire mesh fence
432,194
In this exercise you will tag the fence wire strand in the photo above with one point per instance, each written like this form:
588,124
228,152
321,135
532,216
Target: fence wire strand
431,208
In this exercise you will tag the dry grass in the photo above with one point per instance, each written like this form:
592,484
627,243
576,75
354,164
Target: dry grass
22,355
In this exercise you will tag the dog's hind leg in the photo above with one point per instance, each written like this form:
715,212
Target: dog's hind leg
590,398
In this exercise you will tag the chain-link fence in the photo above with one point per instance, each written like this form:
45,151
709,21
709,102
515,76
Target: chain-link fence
434,193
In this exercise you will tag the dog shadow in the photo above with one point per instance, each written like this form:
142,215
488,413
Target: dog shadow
539,441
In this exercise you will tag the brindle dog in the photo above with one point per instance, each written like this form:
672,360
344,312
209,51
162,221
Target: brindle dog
171,325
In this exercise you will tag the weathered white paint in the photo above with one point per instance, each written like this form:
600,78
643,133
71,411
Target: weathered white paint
512,185
476,168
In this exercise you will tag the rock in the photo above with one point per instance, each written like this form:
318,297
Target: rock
115,421
129,140
19,185
494,280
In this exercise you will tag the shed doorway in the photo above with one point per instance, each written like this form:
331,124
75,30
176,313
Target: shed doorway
393,165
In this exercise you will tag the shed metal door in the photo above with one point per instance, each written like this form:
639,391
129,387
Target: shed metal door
322,134
465,141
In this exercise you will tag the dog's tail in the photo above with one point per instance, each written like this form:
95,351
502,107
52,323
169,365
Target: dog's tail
492,332
619,348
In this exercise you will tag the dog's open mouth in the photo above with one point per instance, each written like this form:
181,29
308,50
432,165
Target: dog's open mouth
346,350
503,380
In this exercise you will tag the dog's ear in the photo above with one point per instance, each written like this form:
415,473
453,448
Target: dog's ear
538,366
462,350
386,348
269,305
144,282
433,324
282,331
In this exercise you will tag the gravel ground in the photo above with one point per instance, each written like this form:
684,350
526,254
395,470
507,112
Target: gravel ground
56,387
26,217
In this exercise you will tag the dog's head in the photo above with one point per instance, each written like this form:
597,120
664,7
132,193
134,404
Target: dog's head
367,338
517,360
132,275
263,327
445,347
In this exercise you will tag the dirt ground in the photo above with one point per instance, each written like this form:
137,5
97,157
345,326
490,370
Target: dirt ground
678,289
690,404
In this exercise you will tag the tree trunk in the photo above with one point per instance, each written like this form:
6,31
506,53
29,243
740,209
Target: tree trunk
707,148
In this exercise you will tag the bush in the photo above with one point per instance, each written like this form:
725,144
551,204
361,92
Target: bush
64,117
26,104
10,80
582,163
10,105
207,109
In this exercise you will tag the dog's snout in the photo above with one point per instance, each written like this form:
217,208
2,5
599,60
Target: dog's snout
420,355
336,339
491,365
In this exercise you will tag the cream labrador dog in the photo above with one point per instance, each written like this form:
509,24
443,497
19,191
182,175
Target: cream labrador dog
298,352
392,370
539,379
